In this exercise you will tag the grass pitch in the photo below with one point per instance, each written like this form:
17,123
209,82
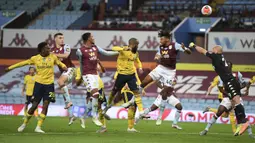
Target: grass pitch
57,131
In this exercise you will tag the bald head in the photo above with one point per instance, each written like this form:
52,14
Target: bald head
217,49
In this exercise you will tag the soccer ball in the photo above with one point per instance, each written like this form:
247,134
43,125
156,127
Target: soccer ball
206,10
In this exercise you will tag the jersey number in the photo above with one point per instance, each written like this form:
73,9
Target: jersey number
226,64
51,94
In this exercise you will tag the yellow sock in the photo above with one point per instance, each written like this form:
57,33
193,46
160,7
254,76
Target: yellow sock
225,114
25,112
41,118
101,117
138,101
36,112
27,118
131,116
232,121
110,99
213,110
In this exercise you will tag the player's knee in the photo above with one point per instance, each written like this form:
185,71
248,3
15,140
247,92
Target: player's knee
61,82
178,106
95,94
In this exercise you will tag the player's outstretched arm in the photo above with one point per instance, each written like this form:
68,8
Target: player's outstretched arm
20,64
186,50
59,63
198,48
107,53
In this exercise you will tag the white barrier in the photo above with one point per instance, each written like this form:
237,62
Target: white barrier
232,41
25,38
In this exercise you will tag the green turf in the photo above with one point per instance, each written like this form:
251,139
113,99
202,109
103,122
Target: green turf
57,131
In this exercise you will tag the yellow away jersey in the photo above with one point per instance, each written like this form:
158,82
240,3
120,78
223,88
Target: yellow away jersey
29,82
44,67
215,83
252,80
78,77
126,61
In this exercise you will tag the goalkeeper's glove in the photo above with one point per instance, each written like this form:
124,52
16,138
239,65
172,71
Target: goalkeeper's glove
192,45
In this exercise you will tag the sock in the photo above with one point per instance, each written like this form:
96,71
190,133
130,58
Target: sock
213,110
66,94
36,112
41,118
27,118
101,118
25,111
249,130
225,114
147,110
110,99
70,111
161,111
177,116
94,107
240,114
232,121
131,116
138,101
211,122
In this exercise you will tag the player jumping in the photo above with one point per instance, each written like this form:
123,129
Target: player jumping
230,83
28,88
88,58
165,73
44,83
128,55
63,51
225,108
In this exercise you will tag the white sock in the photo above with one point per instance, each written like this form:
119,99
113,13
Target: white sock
66,94
249,130
211,122
177,116
161,110
94,107
147,110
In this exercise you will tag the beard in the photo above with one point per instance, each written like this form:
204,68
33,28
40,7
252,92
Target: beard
134,50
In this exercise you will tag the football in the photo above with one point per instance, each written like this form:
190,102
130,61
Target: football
206,10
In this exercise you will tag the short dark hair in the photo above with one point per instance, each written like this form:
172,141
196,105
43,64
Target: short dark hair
164,33
41,46
86,36
58,34
132,40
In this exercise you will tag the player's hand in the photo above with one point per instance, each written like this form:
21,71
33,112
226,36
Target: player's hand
191,45
140,71
143,93
7,70
183,46
207,93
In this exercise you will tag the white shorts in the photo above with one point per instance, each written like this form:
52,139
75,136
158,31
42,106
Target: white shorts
70,73
90,81
164,75
226,102
172,100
